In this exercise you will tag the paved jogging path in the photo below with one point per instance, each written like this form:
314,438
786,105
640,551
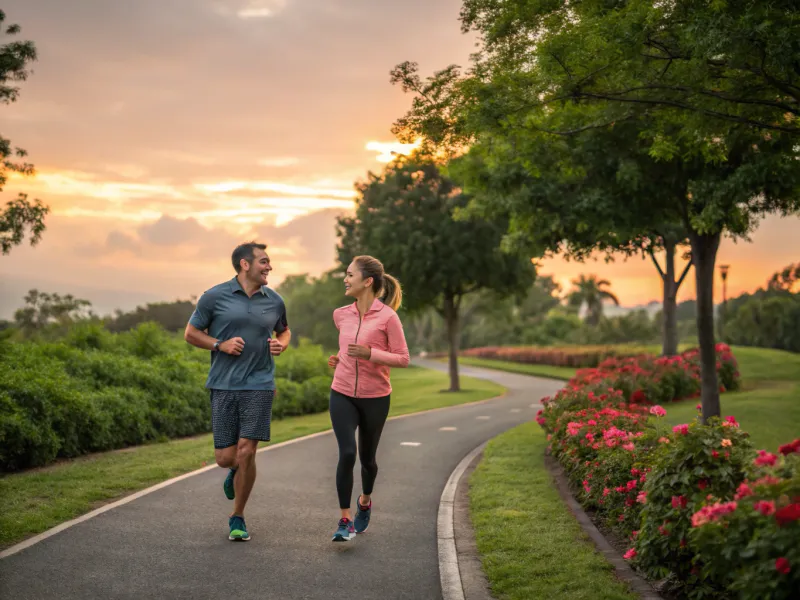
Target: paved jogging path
173,543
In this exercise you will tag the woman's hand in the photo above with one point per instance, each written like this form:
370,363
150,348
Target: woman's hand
357,351
333,361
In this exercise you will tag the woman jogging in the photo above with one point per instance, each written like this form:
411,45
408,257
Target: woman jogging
371,340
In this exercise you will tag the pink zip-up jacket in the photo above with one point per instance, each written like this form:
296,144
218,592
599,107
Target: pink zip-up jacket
381,331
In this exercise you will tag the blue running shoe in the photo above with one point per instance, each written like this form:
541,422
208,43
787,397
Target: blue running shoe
362,517
238,529
346,531
227,485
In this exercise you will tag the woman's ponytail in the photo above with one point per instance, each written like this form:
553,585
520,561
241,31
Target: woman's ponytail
392,293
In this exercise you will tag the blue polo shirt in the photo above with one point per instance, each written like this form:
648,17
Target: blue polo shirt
226,312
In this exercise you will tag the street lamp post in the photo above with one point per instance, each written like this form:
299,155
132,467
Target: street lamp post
723,271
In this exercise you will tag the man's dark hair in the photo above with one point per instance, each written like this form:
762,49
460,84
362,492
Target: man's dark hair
246,252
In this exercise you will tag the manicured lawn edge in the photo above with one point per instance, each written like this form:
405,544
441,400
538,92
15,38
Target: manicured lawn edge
531,546
622,568
40,499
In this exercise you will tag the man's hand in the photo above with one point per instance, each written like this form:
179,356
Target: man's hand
275,347
357,351
333,361
233,346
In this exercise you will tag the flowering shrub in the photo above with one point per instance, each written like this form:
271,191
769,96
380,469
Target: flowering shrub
699,462
677,493
576,356
752,547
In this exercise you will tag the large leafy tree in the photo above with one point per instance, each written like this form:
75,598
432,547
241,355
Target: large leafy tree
522,88
405,217
19,214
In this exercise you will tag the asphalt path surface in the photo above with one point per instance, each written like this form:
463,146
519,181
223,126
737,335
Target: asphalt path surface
173,543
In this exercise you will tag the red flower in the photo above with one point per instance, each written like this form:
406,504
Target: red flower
790,448
679,502
781,565
788,514
702,484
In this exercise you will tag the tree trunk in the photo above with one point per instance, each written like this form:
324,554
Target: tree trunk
669,307
453,339
704,256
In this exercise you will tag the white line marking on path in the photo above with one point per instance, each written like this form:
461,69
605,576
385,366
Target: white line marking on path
409,443
534,406
448,428
483,418
449,573
515,410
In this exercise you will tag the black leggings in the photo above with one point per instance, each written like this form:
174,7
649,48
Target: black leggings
369,416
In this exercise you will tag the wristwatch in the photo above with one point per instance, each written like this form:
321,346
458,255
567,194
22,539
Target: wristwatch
216,346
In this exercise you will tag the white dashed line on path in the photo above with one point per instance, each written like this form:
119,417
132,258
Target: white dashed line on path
409,443
515,410
448,428
483,418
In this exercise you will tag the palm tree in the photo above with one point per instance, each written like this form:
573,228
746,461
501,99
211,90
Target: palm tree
589,290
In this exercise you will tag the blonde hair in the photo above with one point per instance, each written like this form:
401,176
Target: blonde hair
385,287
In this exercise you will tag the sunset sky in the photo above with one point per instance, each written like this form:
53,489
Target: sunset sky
166,131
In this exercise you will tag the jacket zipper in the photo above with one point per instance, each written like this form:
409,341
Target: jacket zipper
355,389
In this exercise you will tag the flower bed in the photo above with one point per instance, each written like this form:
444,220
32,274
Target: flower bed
703,511
577,356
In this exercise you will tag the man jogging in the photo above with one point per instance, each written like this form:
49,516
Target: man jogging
235,320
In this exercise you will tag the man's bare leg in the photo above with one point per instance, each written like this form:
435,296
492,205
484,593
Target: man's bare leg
245,474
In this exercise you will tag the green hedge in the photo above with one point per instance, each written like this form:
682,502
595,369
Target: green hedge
94,390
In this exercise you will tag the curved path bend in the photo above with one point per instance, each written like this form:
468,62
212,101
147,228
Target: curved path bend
172,543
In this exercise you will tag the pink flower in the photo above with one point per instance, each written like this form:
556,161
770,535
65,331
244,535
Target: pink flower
629,447
663,440
726,443
606,492
658,411
710,514
662,529
642,498
592,422
765,459
731,420
765,507
743,491
781,564
632,554
590,437
682,429
699,407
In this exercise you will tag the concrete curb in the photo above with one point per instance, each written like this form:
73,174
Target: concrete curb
11,550
473,578
449,571
623,570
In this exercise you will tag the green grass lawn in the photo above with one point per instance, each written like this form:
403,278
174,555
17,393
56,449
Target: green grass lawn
768,407
37,500
530,544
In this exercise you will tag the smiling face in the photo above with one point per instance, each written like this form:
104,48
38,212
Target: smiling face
354,283
257,270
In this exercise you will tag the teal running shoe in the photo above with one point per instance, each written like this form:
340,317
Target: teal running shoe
227,485
345,532
238,529
362,517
